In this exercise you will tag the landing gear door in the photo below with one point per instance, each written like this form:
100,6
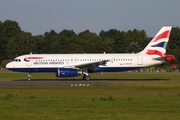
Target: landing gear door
140,60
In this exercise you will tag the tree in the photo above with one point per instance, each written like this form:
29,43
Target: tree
68,33
117,38
8,29
92,43
173,46
120,44
19,44
137,37
47,41
39,39
107,44
133,47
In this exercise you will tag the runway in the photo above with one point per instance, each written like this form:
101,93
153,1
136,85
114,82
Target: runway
72,83
44,83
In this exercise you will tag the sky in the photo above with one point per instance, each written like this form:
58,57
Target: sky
40,16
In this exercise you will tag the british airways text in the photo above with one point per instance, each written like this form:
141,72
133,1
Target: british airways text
51,63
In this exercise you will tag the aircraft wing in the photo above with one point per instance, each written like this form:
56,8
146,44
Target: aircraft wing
92,65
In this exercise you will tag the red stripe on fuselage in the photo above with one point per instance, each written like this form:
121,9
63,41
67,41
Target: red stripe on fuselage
34,57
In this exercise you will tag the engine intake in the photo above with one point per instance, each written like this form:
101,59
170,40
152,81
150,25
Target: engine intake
68,72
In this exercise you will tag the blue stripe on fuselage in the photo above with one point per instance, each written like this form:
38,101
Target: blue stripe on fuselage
34,69
113,69
97,69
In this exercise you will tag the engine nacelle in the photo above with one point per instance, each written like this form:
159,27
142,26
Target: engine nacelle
68,72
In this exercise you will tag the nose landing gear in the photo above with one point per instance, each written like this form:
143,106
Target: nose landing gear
29,76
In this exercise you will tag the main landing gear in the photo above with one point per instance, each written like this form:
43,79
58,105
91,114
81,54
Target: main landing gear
85,73
86,77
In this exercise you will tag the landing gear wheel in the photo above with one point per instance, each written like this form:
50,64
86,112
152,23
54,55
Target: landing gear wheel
29,78
85,77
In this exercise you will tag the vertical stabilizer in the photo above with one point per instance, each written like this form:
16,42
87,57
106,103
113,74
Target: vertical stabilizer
158,44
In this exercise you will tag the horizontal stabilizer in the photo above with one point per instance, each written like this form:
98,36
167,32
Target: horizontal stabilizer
166,58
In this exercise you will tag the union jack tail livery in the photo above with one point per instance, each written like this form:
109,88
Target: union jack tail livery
158,44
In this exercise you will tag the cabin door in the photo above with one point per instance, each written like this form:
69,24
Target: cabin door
28,61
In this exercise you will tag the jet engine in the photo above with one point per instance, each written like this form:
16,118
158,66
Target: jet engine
68,72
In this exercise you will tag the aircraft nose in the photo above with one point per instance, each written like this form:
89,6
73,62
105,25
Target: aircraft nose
8,66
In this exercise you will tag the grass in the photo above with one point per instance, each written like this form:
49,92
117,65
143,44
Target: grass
102,102
149,100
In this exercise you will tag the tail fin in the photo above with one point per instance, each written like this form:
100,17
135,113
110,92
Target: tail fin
158,44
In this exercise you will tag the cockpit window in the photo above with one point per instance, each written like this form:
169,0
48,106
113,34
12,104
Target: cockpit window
17,60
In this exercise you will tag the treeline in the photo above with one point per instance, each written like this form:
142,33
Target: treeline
15,42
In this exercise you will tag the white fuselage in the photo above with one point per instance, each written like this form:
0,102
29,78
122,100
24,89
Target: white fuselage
51,62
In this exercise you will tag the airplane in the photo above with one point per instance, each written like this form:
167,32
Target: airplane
71,65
